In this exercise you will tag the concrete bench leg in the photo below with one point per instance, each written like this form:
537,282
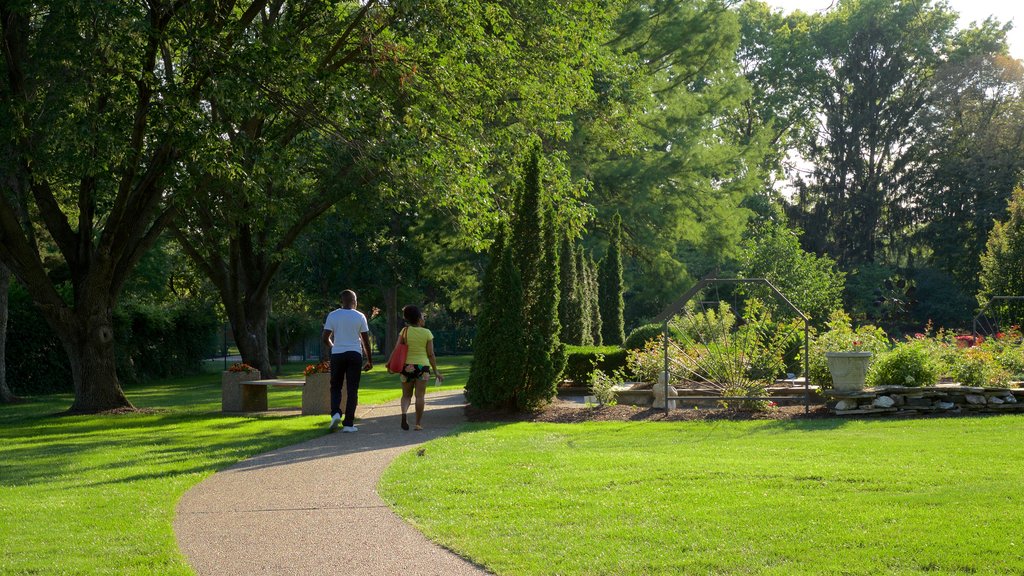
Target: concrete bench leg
254,398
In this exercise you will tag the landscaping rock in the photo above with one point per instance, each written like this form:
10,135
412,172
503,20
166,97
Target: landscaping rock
996,400
945,405
975,399
846,405
1010,399
884,402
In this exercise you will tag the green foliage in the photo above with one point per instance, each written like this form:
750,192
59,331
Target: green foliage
611,289
603,386
571,312
812,283
978,367
909,363
519,330
36,361
151,341
641,335
596,323
745,390
583,361
1003,260
161,341
840,336
497,361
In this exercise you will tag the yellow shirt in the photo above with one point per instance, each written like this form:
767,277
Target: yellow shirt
417,339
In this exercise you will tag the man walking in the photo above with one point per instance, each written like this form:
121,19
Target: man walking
346,333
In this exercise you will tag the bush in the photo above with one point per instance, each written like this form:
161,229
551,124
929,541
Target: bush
603,386
978,367
36,360
160,341
582,361
910,363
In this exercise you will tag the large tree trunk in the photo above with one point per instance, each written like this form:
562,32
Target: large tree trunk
248,320
90,348
6,397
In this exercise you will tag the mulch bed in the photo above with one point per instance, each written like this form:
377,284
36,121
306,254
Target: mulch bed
567,412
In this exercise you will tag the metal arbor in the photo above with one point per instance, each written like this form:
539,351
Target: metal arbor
680,304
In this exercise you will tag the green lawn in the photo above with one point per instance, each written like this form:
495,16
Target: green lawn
935,496
96,494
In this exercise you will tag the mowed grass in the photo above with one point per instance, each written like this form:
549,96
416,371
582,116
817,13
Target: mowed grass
929,496
96,494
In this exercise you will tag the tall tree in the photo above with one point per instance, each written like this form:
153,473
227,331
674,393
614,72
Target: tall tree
99,179
678,174
1003,260
373,107
582,331
498,365
610,293
570,303
970,163
596,337
527,322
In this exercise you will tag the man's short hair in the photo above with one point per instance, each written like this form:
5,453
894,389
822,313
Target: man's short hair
348,297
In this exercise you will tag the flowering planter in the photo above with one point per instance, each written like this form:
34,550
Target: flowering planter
316,394
848,369
237,398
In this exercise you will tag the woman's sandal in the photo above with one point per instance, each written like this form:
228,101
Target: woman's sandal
418,427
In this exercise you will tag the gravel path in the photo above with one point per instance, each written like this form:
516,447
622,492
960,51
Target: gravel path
313,508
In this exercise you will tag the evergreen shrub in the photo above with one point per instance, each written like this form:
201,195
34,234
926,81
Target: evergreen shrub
582,361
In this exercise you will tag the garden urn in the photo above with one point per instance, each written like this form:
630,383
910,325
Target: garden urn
848,369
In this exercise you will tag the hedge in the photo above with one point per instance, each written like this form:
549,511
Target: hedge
151,341
583,360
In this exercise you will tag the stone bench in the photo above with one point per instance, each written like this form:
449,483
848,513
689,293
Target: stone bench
251,395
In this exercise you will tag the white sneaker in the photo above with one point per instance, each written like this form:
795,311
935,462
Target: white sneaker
350,429
335,420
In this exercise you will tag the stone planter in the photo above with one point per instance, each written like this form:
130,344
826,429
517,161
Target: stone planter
316,394
237,398
848,369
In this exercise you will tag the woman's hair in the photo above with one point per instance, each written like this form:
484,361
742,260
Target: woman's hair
412,314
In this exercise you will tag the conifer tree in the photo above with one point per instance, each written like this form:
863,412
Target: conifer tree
586,336
518,357
610,288
499,338
1003,260
570,309
545,354
595,304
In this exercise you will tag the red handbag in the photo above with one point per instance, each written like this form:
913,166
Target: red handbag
396,363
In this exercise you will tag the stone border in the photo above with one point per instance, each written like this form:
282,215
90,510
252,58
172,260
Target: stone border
926,399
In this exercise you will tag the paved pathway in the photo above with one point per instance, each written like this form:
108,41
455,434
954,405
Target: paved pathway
313,508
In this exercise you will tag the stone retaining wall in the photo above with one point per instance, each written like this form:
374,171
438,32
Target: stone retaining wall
943,398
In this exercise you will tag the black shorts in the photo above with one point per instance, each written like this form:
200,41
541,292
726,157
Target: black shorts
414,372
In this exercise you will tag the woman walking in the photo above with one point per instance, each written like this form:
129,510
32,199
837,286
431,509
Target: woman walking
419,362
